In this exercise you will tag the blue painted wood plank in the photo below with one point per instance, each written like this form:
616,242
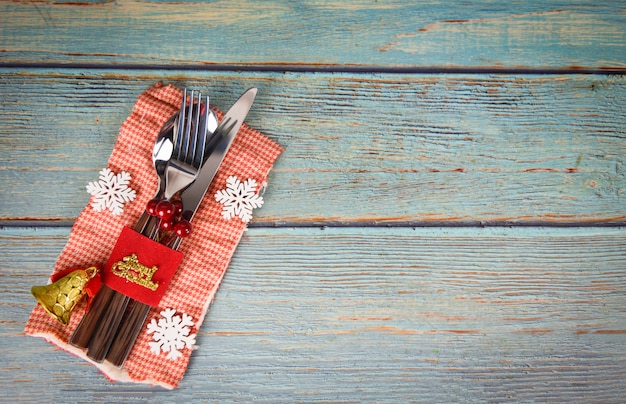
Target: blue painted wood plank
316,35
379,315
416,149
357,313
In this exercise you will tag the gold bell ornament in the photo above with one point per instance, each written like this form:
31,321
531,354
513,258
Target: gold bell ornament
60,298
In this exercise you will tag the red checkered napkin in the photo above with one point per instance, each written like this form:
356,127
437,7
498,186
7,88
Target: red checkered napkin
207,251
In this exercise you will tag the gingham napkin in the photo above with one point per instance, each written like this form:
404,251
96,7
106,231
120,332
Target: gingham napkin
207,251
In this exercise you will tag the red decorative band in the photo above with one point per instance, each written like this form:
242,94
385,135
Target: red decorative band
140,267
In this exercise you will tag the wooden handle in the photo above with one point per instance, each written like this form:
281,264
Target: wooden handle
127,334
83,333
107,328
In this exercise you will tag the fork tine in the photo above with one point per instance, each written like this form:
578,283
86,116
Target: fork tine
187,135
193,139
179,135
202,138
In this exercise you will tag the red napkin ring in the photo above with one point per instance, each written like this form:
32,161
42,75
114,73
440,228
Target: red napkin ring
140,267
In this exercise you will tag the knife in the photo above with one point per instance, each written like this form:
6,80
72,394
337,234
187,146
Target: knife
229,126
192,198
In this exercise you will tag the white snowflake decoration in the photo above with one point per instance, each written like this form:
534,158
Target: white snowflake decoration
171,334
111,192
239,198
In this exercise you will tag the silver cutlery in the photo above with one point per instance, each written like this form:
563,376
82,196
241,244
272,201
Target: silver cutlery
167,143
191,199
99,324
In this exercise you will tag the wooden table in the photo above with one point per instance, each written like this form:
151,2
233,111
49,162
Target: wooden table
447,223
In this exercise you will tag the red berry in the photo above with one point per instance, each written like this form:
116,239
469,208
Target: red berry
182,228
178,207
167,225
151,207
165,210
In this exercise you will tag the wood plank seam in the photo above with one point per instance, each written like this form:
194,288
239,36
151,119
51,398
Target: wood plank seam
304,68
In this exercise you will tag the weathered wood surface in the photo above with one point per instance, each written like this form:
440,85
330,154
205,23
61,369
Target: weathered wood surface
556,34
377,315
417,149
403,127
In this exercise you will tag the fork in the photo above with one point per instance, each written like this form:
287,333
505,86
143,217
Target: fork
164,151
188,154
100,324
189,148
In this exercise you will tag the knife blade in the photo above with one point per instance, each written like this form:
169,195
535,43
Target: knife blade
192,198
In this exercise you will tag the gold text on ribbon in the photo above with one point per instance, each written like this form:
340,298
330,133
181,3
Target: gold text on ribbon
132,270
